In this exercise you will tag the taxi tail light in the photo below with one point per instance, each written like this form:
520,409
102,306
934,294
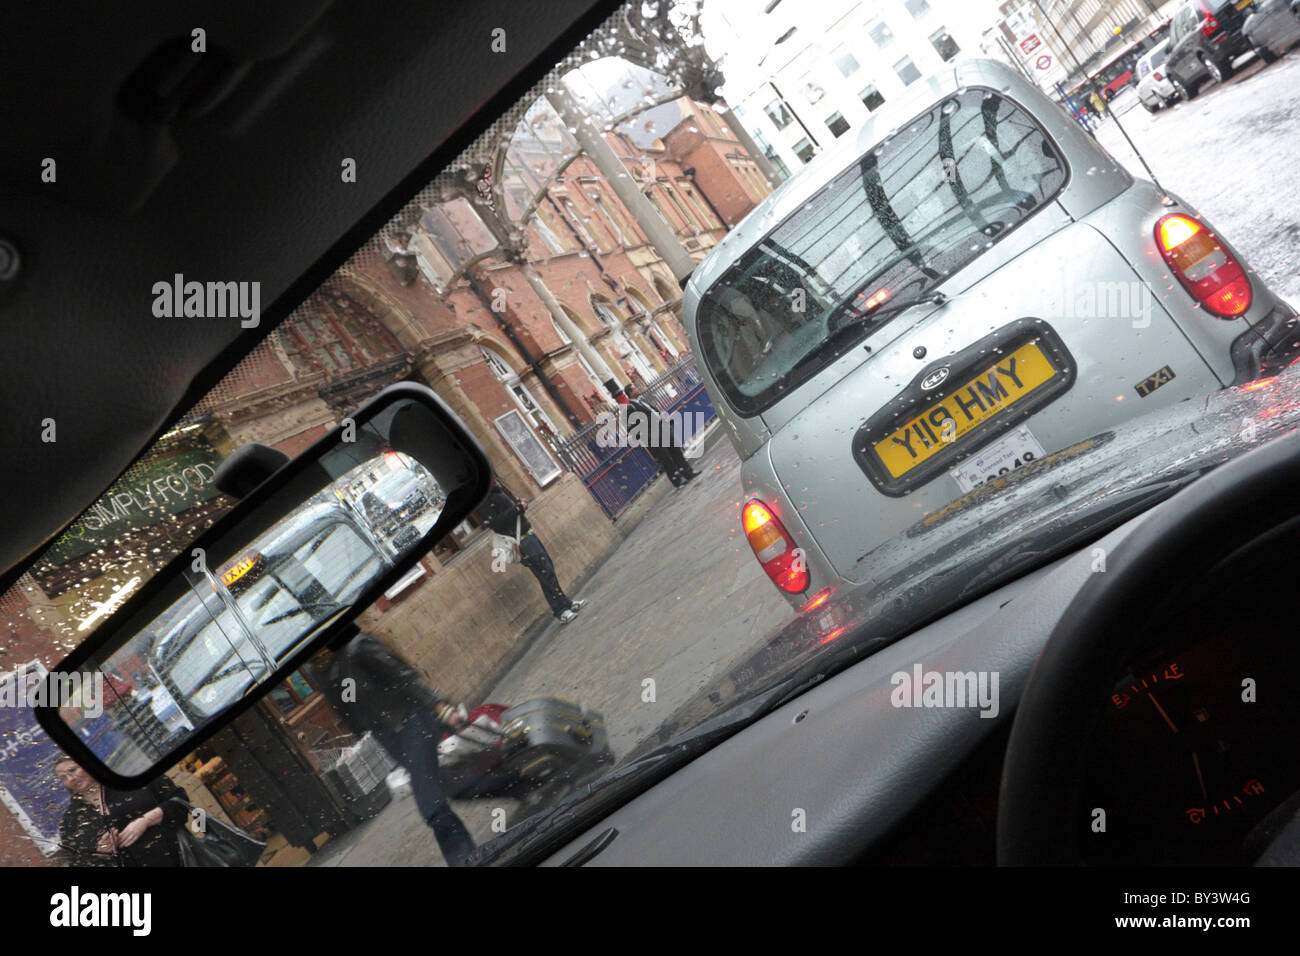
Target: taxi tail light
1209,26
1159,78
1203,265
774,548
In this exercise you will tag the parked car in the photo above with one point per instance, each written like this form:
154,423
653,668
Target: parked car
1205,38
1154,89
1272,28
904,321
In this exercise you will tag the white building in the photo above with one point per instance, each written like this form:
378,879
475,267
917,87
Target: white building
799,74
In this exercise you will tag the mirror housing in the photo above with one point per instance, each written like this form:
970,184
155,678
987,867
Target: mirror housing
312,543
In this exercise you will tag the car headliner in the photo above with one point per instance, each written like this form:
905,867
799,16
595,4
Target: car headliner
250,191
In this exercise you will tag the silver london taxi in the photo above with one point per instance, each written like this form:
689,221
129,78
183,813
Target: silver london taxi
968,285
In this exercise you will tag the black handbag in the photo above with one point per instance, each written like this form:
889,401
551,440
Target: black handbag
220,844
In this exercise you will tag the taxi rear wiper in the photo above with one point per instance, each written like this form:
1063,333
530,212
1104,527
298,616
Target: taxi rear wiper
893,308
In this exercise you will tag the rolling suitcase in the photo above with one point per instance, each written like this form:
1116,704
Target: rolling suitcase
547,740
545,747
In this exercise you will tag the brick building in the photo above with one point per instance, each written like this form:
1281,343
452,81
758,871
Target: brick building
435,301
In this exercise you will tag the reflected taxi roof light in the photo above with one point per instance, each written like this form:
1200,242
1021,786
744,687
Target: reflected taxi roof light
239,569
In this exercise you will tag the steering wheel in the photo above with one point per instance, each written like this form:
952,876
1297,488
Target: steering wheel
1041,816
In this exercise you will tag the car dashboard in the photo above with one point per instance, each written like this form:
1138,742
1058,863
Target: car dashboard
1192,752
1196,746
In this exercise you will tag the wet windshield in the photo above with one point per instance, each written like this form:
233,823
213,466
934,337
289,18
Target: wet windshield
719,479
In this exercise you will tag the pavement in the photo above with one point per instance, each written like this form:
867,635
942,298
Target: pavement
677,604
1230,153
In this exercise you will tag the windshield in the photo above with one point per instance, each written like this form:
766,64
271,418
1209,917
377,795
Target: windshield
905,216
665,292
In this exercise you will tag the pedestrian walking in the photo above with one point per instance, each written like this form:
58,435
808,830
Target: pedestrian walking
1098,104
504,514
375,691
664,441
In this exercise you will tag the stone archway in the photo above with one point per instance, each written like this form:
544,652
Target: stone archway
393,316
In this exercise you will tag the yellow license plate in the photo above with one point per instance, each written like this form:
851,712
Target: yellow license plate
988,394
1243,4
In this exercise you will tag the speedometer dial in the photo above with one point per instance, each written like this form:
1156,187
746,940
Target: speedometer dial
1193,750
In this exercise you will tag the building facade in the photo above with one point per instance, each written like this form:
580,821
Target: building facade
800,75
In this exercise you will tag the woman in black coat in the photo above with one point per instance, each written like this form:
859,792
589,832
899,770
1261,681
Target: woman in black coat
104,827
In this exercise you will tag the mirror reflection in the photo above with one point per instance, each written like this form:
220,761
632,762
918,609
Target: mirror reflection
291,567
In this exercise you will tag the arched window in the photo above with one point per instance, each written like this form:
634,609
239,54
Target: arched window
519,426
559,330
626,350
579,222
519,392
607,314
591,372
666,292
658,338
547,235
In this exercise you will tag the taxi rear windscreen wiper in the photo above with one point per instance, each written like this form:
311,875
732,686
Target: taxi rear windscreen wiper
893,308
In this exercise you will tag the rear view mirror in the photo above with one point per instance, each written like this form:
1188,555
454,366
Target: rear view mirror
279,576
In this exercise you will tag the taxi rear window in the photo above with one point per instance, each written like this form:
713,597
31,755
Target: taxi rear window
902,218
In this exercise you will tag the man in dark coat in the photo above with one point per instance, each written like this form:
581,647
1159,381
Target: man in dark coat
664,444
374,690
504,513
